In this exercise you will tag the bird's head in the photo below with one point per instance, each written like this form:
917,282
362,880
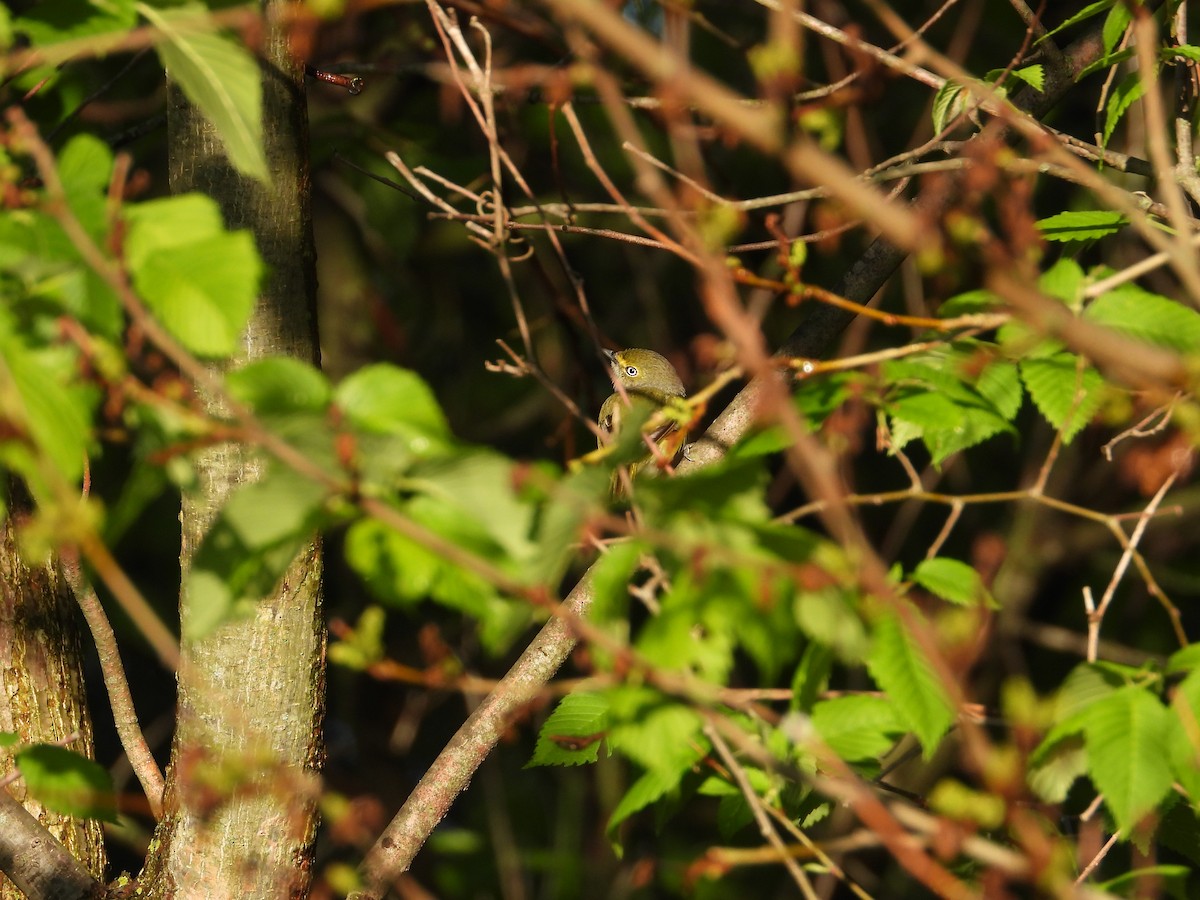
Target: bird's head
646,373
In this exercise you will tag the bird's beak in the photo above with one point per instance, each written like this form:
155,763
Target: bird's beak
610,355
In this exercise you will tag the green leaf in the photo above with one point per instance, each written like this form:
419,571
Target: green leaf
947,105
397,569
1184,660
1063,281
651,786
85,167
1127,92
1084,225
1171,881
55,21
56,413
563,517
279,385
580,716
969,303
1106,61
1115,24
6,30
1126,736
827,616
665,737
66,782
386,399
1181,51
901,669
1087,12
857,727
609,578
954,581
401,571
481,484
1148,317
1060,759
1057,768
811,677
946,423
200,280
1067,397
254,538
219,77
1034,76
1183,744
1000,384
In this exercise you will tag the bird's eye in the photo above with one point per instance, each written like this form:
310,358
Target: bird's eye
631,371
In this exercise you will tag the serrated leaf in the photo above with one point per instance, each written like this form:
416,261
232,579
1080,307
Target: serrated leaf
1067,397
1034,76
651,786
947,105
1127,92
945,423
1084,225
954,581
1000,384
68,783
1148,317
579,716
1087,12
1126,735
857,727
219,77
901,669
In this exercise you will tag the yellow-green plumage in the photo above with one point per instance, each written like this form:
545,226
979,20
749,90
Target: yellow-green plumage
649,382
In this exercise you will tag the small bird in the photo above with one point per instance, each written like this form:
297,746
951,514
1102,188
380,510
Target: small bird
650,382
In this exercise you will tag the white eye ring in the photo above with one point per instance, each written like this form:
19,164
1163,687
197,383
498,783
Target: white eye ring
631,371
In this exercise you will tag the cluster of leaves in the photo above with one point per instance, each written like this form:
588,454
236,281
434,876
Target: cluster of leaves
969,390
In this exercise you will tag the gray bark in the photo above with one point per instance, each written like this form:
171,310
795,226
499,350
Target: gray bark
241,790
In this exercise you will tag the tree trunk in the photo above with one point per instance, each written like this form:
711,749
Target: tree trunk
41,684
242,787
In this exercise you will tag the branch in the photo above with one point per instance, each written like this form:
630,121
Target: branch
36,862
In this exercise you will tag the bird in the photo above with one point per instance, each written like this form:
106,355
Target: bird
649,382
